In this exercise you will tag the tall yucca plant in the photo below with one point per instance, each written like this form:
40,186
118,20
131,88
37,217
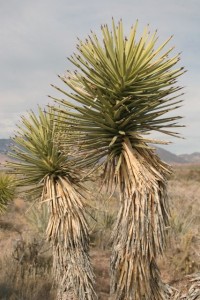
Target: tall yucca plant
7,190
49,173
122,90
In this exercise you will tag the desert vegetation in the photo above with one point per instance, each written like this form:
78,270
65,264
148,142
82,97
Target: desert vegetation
7,190
26,257
63,155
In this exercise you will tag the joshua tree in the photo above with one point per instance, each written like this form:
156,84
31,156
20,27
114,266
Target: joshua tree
122,88
7,190
51,176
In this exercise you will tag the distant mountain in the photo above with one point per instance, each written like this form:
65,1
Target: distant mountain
4,145
191,158
170,157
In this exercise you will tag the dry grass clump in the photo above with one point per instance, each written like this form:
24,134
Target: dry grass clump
25,272
186,173
102,213
25,262
182,256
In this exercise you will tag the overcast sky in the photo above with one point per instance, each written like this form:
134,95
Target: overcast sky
36,37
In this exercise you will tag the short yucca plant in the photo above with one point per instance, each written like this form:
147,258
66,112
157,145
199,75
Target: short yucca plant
50,175
122,90
7,190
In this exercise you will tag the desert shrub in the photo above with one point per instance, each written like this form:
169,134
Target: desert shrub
26,272
101,218
6,225
38,216
182,255
101,214
7,190
186,173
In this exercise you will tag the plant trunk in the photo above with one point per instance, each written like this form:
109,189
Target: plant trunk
76,279
67,231
139,236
